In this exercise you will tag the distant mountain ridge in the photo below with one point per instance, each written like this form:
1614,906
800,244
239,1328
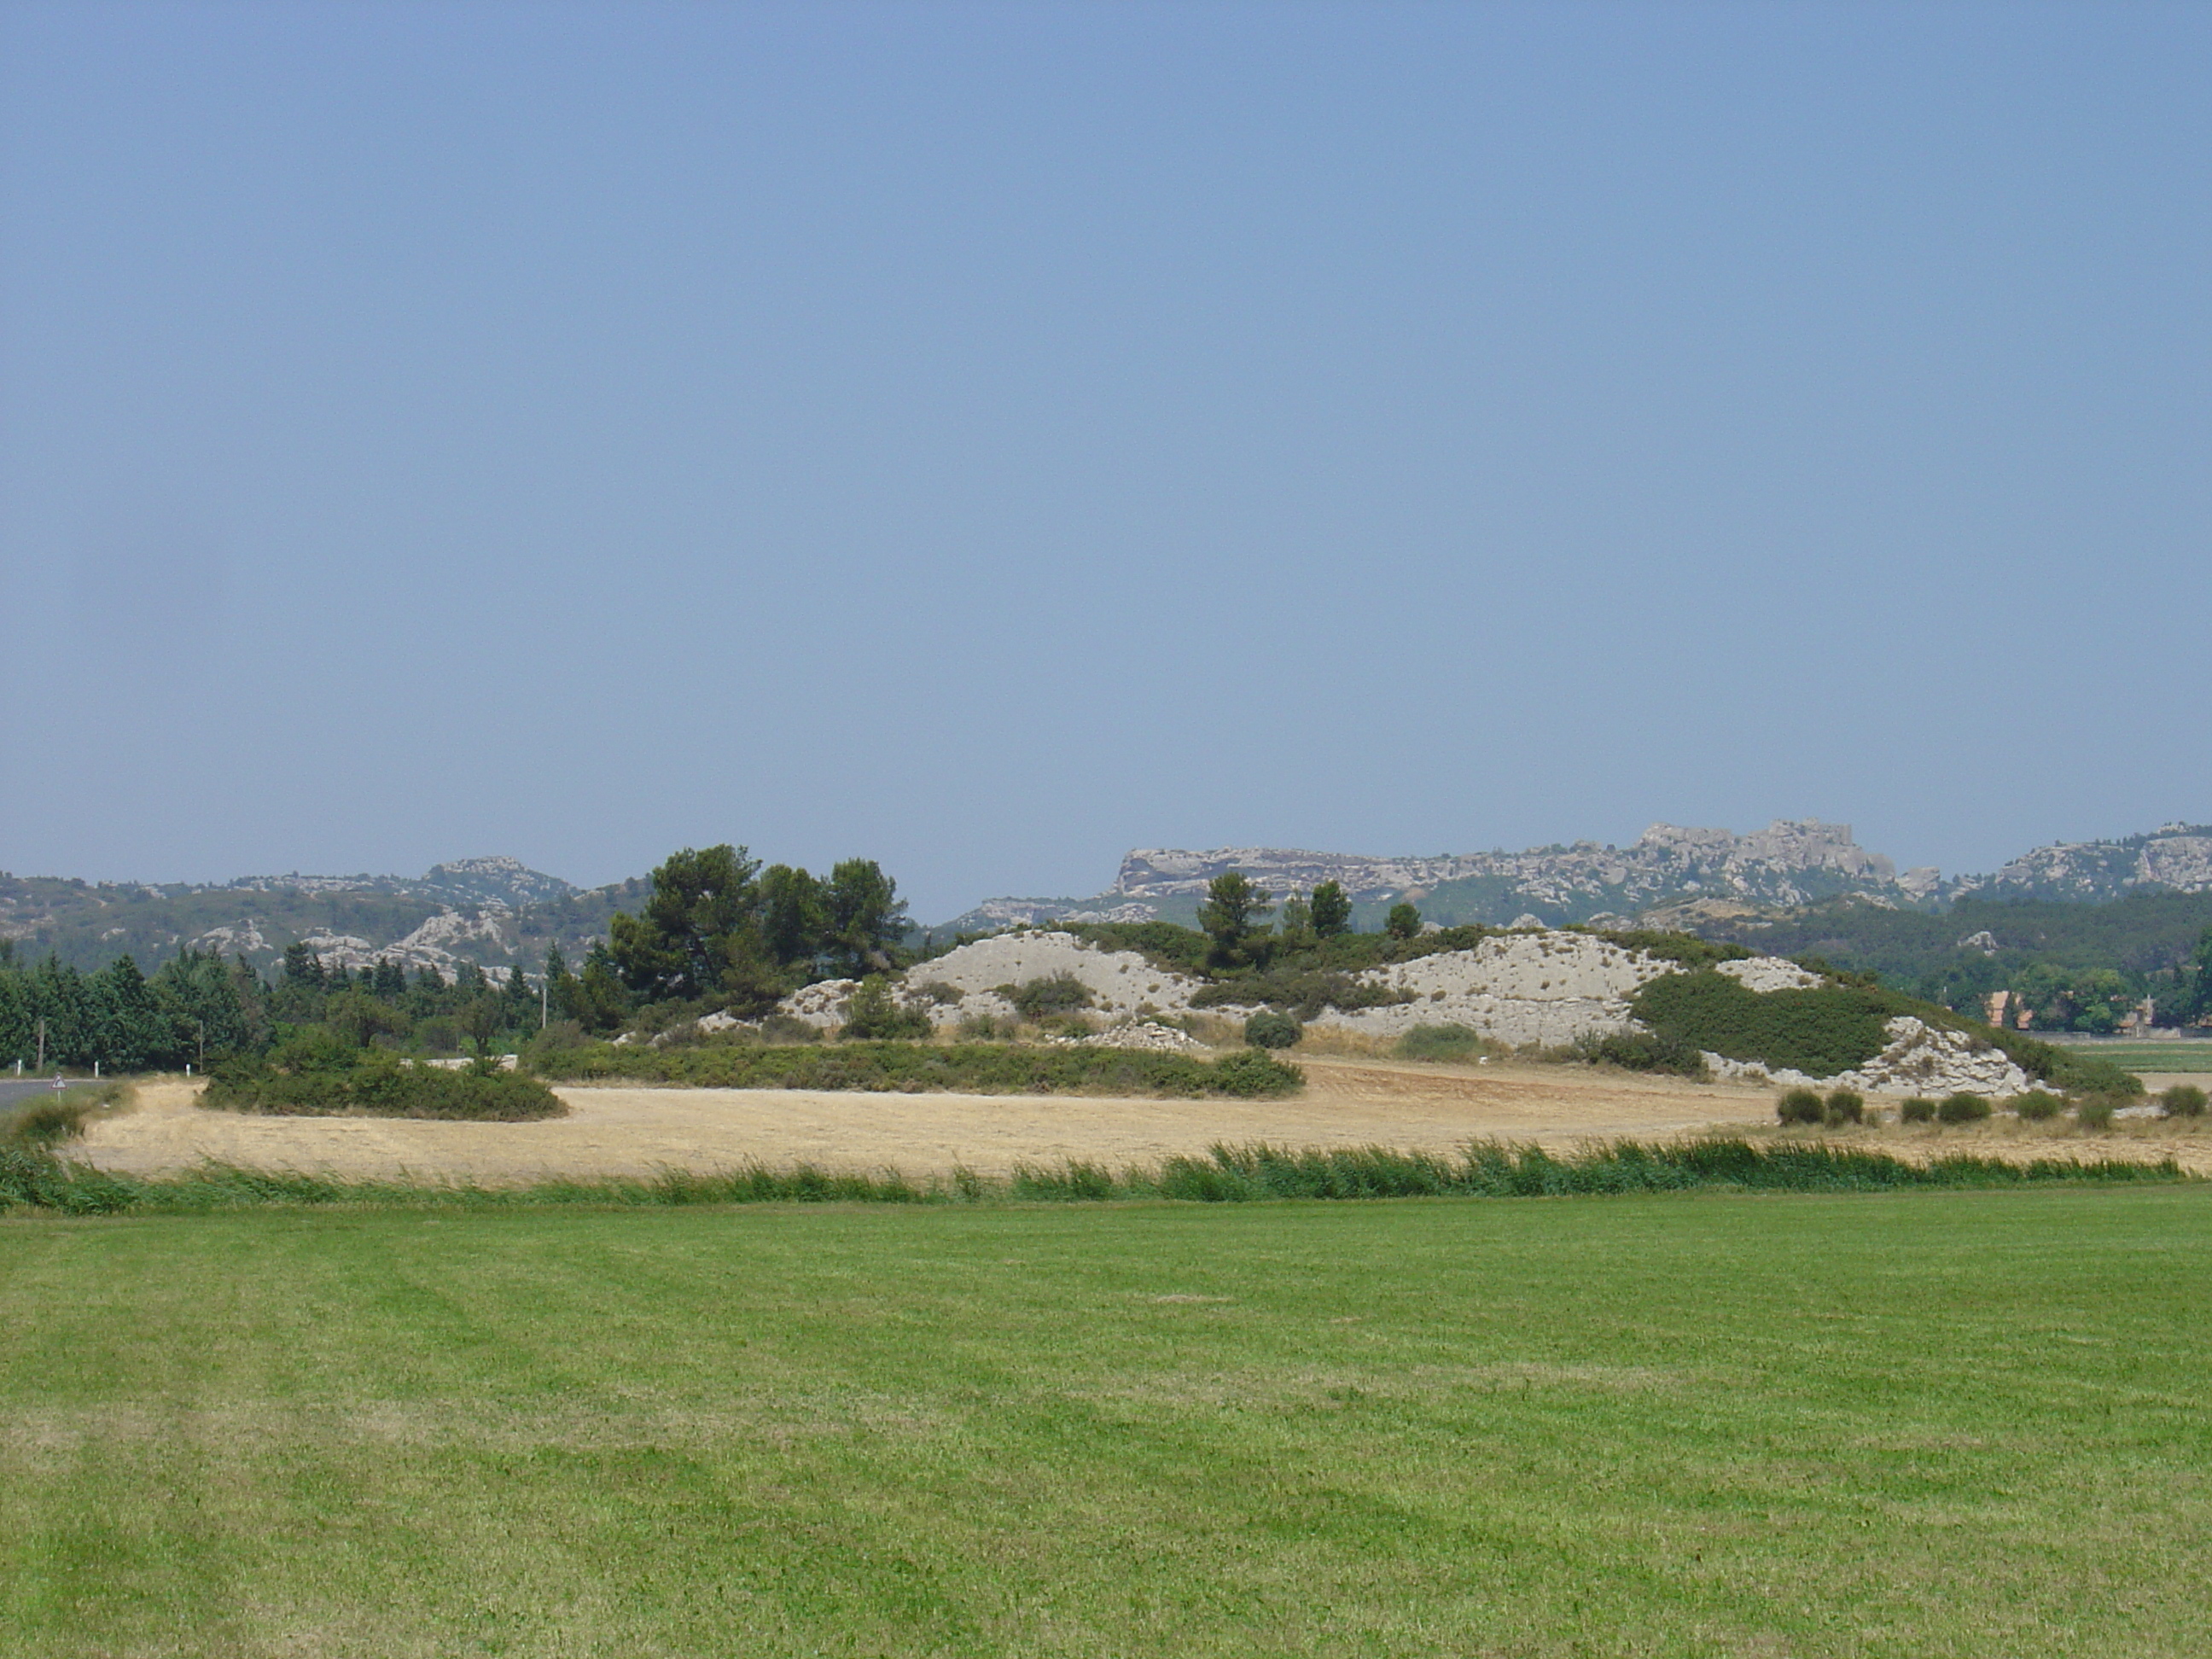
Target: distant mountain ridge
1793,861
498,912
2176,857
496,880
493,912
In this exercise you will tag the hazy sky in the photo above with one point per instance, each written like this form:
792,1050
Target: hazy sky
987,438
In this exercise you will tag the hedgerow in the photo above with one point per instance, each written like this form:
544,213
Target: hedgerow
989,1068
316,1076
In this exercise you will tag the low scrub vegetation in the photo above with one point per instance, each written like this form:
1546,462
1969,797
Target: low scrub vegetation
2183,1100
314,1075
1445,1042
1837,1027
1644,1051
917,1068
1819,1031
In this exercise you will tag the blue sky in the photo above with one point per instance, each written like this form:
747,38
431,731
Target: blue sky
987,438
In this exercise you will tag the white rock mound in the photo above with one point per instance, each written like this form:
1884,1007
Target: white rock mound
1548,987
1120,983
966,982
1919,1059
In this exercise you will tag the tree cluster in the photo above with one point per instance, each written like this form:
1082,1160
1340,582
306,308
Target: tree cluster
718,932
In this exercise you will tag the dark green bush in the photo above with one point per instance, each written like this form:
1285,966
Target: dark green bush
1917,1110
1819,1031
2183,1100
2037,1106
1962,1108
1845,1106
1041,998
1269,1030
873,1015
1255,1072
1799,1106
1645,1051
2094,1113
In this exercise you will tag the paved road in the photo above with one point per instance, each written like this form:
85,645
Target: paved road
15,1091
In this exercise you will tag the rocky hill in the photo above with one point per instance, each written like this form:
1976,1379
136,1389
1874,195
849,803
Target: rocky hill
2175,857
1789,862
495,912
1668,873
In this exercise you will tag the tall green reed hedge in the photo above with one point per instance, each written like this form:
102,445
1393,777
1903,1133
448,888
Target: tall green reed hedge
34,1181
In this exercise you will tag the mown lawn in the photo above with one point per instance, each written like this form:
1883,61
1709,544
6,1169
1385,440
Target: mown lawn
1914,1424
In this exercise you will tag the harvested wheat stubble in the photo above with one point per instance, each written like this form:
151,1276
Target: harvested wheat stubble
624,1130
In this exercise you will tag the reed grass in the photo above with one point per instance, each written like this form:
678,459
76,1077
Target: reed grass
1227,1175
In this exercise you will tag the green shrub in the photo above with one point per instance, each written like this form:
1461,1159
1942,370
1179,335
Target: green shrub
1255,1072
1845,1106
2183,1100
1799,1106
1962,1108
1917,1110
1041,998
789,1027
2094,1113
1645,1051
1269,1030
2038,1106
873,1015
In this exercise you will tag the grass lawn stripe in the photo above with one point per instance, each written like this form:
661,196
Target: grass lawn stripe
1914,1423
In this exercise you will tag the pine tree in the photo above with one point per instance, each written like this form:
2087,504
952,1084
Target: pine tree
1332,911
130,1033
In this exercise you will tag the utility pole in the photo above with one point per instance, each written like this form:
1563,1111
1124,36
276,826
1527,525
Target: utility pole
42,1042
545,1002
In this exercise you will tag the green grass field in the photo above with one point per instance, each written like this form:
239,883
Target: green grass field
1918,1424
2158,1056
